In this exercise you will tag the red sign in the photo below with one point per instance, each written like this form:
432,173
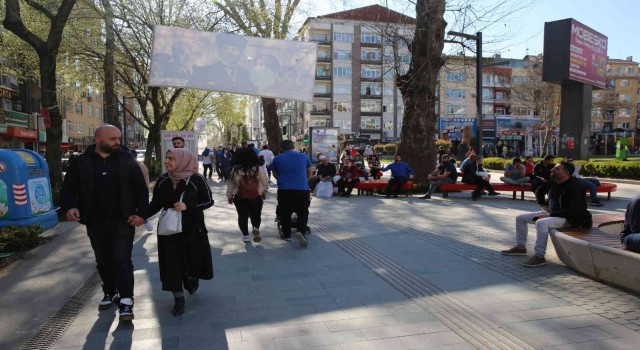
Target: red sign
588,55
22,133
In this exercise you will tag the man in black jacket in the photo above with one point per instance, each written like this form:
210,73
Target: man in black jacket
566,205
105,190
630,235
324,172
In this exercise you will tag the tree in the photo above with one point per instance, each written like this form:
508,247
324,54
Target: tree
419,86
191,105
266,20
47,50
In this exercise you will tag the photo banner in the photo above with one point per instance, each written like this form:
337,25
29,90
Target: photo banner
325,141
185,58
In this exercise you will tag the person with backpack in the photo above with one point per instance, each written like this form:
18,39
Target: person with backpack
206,162
246,189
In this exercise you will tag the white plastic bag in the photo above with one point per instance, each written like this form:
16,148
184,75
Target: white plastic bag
324,189
170,222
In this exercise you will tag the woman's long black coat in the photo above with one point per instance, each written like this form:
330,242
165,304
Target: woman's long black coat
186,254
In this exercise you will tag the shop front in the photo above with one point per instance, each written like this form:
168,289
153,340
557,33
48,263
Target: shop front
17,130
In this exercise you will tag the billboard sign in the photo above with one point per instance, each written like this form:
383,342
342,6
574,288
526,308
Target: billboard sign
325,141
233,63
573,51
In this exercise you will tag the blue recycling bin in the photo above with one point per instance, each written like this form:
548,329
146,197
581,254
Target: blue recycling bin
25,190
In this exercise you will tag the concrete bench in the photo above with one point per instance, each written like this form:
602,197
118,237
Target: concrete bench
604,187
598,253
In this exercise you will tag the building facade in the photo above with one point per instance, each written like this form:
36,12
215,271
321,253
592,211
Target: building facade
360,51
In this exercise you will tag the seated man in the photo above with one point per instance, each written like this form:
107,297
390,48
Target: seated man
348,177
589,183
324,172
474,174
514,173
446,173
566,206
400,173
542,172
630,235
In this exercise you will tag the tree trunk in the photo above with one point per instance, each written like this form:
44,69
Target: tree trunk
419,86
272,124
54,133
109,101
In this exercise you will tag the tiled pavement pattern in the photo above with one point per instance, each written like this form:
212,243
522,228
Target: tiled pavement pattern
378,274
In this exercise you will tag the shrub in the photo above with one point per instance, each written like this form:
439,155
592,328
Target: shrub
379,148
495,163
445,144
19,238
391,148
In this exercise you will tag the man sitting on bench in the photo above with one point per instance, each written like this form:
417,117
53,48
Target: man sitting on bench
589,183
630,236
514,173
566,206
446,173
400,173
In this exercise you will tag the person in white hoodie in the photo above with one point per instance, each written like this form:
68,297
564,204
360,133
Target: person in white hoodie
246,189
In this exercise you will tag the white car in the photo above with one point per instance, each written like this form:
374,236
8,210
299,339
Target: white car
140,154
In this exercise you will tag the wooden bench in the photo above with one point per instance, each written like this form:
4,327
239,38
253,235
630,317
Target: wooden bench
605,187
598,253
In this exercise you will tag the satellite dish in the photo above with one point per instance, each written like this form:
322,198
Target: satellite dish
200,125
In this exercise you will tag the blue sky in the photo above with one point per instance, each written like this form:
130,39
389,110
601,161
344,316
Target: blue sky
616,19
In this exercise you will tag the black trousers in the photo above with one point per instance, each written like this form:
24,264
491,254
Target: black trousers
482,184
341,185
399,181
112,242
210,167
293,201
248,209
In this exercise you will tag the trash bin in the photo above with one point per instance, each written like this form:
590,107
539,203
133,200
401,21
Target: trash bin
622,149
25,190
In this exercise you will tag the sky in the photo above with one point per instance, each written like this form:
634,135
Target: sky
522,33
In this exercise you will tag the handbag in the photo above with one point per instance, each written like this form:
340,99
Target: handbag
170,221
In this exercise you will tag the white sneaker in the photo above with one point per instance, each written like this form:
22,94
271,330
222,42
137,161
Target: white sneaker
148,225
246,239
256,235
300,238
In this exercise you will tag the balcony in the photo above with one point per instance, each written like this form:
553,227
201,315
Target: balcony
323,76
322,94
323,59
320,111
368,44
321,40
371,97
371,114
371,80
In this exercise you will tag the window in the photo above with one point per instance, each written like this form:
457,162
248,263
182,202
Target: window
388,91
319,37
520,111
457,94
625,98
371,106
370,123
90,111
319,107
611,83
630,69
320,89
322,71
624,125
454,109
342,89
372,89
342,71
343,37
370,73
370,38
342,55
456,76
487,109
342,107
323,55
624,83
98,114
624,113
370,55
79,108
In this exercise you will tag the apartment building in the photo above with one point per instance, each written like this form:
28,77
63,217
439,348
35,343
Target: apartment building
359,53
18,121
616,108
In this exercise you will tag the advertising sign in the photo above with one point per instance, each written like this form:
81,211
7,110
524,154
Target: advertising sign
515,129
573,51
458,128
588,57
40,195
233,63
325,141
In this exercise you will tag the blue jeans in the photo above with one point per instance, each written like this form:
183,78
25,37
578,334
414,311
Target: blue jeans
631,242
593,193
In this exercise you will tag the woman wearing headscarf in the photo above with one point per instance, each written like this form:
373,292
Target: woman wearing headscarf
246,189
185,257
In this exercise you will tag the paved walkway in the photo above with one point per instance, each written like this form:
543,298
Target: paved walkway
378,274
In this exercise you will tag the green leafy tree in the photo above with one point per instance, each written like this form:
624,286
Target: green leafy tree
54,15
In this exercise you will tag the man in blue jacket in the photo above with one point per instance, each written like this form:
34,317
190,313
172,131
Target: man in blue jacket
400,173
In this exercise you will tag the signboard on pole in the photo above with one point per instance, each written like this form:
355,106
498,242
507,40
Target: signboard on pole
325,141
573,51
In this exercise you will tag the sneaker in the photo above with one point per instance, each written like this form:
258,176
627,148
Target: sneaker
256,235
126,310
300,238
596,204
148,225
107,301
514,251
534,261
426,196
246,239
493,194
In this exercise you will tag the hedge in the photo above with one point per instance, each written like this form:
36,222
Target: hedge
615,169
19,238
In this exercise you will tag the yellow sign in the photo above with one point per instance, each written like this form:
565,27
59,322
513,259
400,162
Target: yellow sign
27,157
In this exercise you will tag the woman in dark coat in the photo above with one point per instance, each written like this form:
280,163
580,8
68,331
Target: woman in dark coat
184,257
